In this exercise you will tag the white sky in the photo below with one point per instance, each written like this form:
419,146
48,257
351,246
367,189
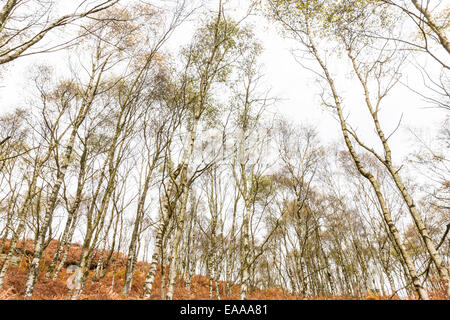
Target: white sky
295,86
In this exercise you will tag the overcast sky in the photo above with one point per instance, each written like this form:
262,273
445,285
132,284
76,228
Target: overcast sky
294,86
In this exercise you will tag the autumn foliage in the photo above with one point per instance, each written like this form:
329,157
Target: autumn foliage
47,289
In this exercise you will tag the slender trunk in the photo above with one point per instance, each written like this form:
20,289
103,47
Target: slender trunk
246,251
374,183
22,220
129,271
421,227
165,216
69,229
52,201
66,248
150,278
99,266
230,250
423,231
180,220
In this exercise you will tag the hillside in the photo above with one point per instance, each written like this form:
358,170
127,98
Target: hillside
47,289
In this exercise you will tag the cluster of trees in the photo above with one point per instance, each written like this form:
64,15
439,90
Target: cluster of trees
178,158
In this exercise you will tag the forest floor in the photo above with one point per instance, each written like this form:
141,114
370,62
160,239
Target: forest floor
47,289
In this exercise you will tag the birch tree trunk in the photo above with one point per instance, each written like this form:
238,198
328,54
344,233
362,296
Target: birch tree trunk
22,220
129,271
181,214
69,229
88,99
388,163
165,216
366,174
246,251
